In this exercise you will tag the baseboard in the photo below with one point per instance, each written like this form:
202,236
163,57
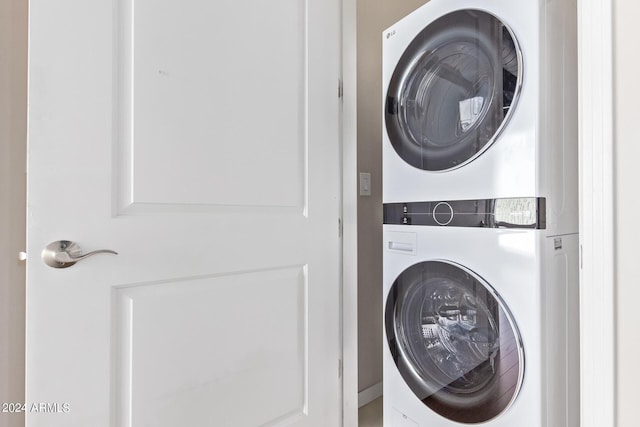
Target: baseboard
370,394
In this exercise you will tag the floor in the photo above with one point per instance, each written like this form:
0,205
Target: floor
370,415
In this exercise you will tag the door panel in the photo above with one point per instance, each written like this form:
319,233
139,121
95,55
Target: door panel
158,324
200,142
235,75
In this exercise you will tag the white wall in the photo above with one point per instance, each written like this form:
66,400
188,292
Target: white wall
627,214
13,73
373,16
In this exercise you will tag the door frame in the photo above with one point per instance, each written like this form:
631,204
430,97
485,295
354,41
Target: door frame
597,215
349,216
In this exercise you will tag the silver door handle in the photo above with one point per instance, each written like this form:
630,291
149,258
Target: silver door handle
63,254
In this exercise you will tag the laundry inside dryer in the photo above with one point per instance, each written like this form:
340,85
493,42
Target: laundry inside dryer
454,342
452,90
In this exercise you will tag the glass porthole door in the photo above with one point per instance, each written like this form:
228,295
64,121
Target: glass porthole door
453,90
454,341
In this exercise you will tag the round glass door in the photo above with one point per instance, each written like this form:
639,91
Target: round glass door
453,90
454,342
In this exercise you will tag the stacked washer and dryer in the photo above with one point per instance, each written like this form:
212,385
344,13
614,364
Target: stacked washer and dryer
480,193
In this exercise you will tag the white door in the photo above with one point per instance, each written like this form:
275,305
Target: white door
200,141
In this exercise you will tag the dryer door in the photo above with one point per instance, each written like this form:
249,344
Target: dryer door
453,90
454,341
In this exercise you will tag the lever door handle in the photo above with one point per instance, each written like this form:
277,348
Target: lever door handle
63,254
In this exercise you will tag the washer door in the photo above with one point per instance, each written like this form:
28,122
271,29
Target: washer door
453,90
454,341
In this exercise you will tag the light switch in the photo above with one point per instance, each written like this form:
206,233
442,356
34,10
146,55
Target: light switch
365,184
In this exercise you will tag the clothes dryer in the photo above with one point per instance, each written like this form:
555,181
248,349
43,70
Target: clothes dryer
480,327
480,102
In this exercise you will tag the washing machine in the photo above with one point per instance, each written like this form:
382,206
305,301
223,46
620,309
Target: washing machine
480,326
480,102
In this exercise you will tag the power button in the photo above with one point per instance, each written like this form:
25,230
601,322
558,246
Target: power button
443,213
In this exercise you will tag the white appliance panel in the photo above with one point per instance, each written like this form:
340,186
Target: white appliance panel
517,265
534,153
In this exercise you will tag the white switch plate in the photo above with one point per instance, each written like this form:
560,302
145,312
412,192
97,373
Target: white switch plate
365,184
